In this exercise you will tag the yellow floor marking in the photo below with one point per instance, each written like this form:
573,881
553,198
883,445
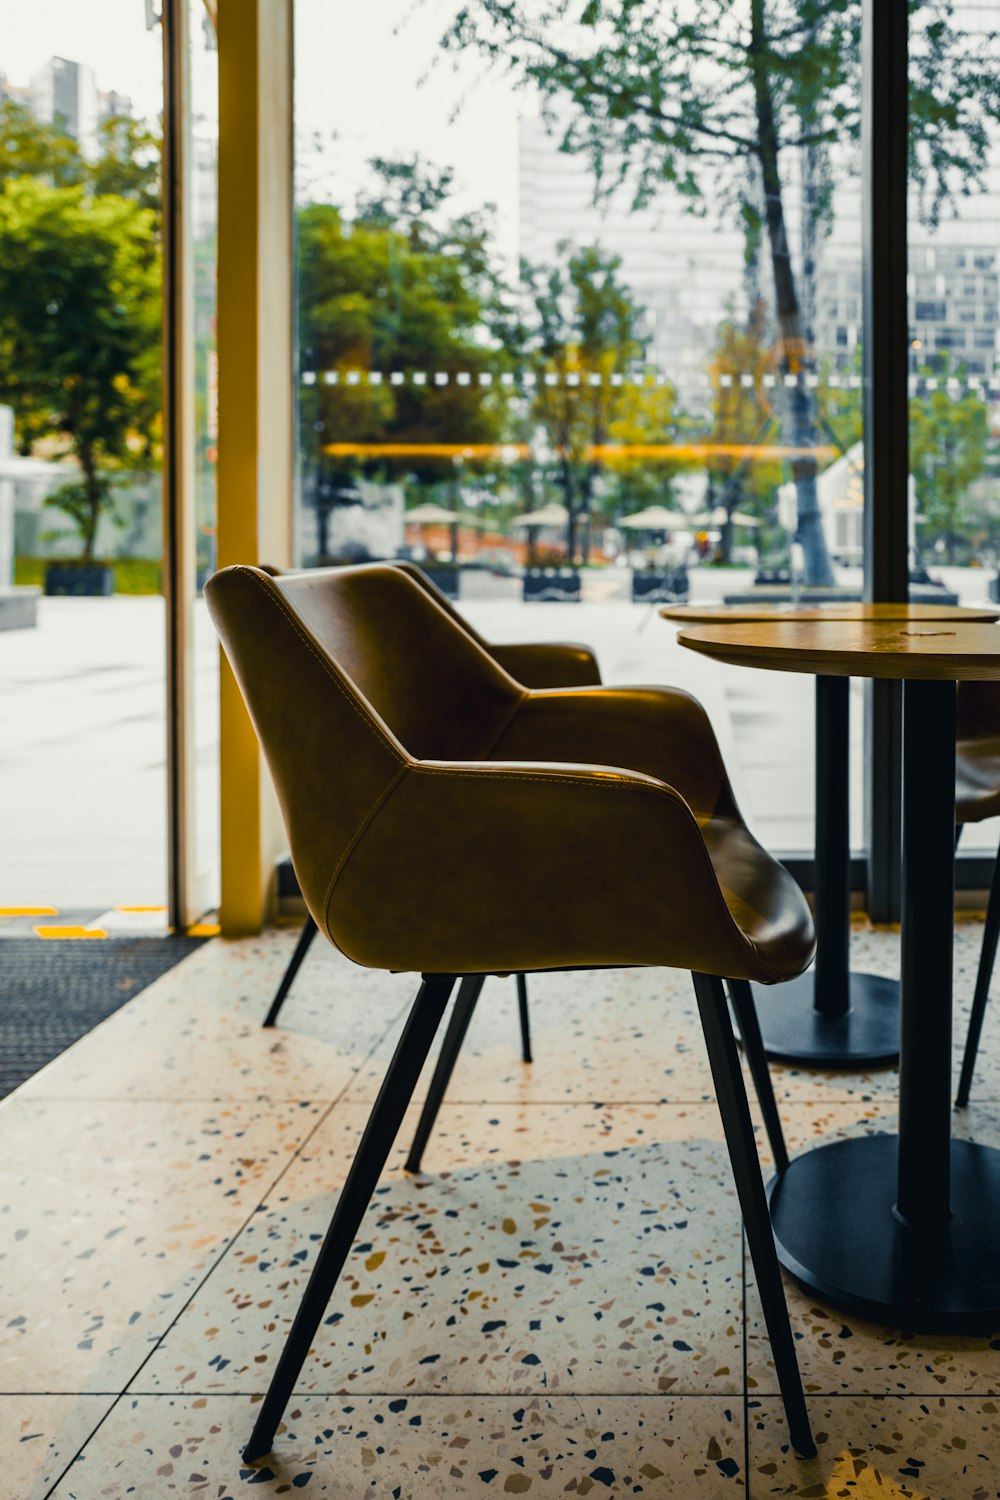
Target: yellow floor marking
204,929
29,911
139,908
70,932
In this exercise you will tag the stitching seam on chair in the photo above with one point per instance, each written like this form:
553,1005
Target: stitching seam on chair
619,785
292,619
488,752
386,791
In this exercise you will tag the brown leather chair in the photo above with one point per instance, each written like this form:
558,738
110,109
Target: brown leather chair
571,828
534,664
977,796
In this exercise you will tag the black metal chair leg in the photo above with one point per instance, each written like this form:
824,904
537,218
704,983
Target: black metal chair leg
987,958
738,1127
301,949
741,995
522,1010
376,1143
461,1015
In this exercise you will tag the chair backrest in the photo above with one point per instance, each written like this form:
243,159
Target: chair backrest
441,693
348,674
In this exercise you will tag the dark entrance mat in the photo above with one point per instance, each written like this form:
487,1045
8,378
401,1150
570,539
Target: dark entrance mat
54,992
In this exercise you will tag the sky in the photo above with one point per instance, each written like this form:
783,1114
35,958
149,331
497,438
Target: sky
364,71
375,73
109,35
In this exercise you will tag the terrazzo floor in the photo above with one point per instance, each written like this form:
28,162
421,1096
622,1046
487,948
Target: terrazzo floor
559,1304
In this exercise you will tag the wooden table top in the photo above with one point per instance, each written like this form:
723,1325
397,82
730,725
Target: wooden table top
709,614
942,649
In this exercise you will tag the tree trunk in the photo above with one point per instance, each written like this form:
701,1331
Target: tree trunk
796,358
323,530
92,490
566,484
586,501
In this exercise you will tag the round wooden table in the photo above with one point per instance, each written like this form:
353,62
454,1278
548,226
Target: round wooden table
832,1016
901,1228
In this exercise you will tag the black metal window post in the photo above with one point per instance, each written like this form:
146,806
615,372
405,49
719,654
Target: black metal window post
884,129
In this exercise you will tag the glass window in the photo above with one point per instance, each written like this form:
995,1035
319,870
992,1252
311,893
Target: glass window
508,307
82,798
953,392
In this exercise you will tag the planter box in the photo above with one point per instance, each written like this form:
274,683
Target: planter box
668,587
80,579
551,585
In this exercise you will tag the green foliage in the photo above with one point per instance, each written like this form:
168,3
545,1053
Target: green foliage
656,89
840,407
128,163
948,450
710,98
79,330
29,148
401,287
133,575
742,416
84,503
582,327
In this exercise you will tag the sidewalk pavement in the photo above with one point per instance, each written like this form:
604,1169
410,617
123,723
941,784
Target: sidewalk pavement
82,736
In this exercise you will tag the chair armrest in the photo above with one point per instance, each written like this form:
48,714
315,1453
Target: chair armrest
485,868
661,732
548,664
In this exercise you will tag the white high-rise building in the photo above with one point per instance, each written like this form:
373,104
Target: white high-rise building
686,271
65,92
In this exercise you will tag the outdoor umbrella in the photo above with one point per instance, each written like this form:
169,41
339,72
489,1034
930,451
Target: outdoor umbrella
717,517
655,518
548,515
436,515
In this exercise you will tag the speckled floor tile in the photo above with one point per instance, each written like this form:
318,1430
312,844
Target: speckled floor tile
841,1353
562,1248
112,1213
39,1436
936,1448
617,1035
418,1448
196,1033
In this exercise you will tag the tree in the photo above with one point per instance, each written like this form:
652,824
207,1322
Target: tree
128,162
401,287
948,450
742,417
79,331
580,334
31,148
712,99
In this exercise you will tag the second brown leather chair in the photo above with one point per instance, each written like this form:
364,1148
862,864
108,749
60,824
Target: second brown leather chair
445,820
977,797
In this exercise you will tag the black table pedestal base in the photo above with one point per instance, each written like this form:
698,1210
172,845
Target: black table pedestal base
865,1036
837,1234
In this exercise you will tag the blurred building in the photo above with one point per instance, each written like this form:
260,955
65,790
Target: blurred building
685,271
65,92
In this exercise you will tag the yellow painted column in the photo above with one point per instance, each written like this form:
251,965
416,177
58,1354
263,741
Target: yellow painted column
255,399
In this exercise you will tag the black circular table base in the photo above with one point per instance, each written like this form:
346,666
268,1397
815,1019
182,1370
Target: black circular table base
837,1234
865,1036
